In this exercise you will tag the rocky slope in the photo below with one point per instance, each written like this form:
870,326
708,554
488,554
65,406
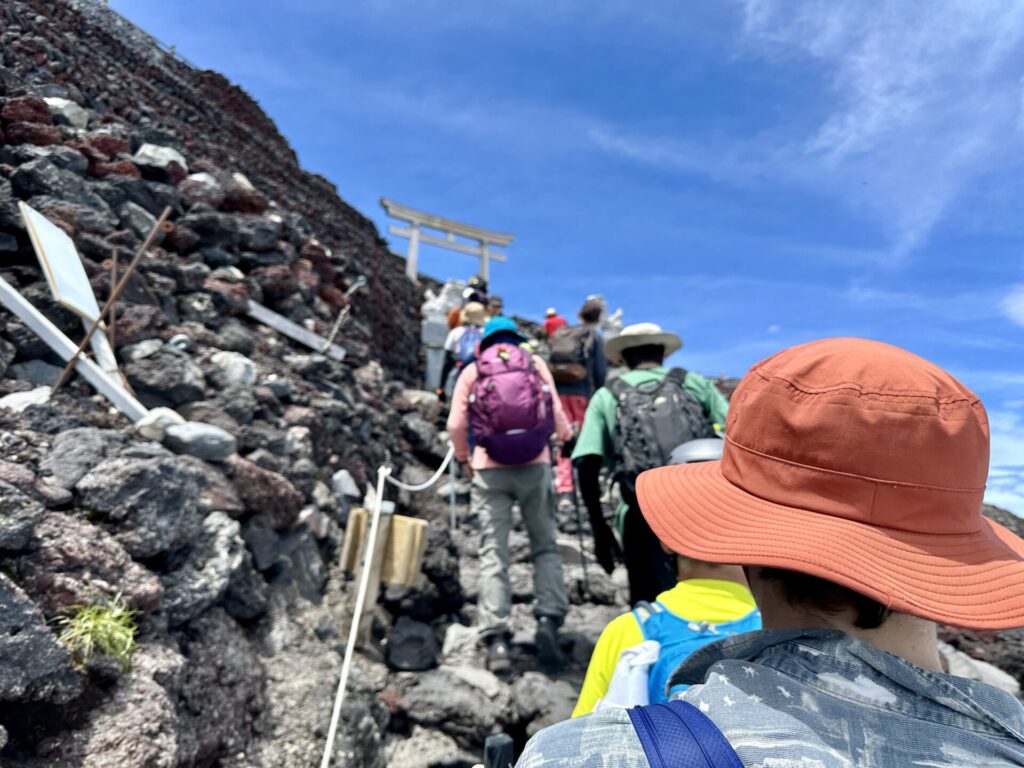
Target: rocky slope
225,542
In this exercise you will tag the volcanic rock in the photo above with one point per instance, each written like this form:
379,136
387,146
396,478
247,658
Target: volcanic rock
75,451
19,515
67,112
150,504
200,581
266,492
33,665
204,441
166,378
74,563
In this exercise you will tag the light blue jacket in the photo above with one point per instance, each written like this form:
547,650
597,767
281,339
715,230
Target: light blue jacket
812,699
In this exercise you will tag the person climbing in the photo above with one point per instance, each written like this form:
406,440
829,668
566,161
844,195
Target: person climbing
504,403
579,368
553,321
475,291
639,649
632,424
460,346
851,489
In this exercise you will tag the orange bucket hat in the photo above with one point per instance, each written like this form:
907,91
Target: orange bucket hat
860,463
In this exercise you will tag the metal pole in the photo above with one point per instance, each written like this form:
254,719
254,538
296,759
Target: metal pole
579,526
113,298
346,665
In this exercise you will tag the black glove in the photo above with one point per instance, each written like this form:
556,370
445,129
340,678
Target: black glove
606,546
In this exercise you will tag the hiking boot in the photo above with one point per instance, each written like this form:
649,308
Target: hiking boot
549,649
565,502
498,657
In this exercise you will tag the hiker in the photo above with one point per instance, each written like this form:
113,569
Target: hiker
460,346
475,291
495,306
632,424
639,649
504,402
850,488
579,368
553,321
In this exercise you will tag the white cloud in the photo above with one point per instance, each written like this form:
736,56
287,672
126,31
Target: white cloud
1013,304
927,99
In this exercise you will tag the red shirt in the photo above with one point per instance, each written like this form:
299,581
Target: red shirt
552,324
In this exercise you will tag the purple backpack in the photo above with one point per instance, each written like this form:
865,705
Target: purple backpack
510,409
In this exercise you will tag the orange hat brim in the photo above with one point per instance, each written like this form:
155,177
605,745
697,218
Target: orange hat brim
973,580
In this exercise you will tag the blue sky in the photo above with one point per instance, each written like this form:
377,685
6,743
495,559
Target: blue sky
750,173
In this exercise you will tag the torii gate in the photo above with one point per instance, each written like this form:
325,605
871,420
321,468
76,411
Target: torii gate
450,229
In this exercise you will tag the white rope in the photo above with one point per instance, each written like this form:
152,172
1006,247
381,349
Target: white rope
432,480
383,475
346,665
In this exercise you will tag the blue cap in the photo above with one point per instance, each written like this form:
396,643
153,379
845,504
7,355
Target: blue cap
499,324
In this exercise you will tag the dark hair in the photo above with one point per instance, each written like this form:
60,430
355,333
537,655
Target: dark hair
801,589
501,337
591,312
647,353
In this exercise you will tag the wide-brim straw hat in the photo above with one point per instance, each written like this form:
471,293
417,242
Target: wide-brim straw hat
856,462
474,313
640,335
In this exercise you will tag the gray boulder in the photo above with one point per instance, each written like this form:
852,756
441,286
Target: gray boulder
204,441
167,378
232,369
247,596
19,516
34,666
76,451
42,177
150,504
541,701
38,373
7,353
300,565
202,579
467,703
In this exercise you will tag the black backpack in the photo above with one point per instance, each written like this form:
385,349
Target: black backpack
569,361
650,420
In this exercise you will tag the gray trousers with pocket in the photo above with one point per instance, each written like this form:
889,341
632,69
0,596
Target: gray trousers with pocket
493,493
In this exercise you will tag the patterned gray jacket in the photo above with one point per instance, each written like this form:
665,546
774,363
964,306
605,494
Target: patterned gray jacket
812,699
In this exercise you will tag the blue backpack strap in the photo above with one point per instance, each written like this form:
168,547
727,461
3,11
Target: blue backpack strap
678,735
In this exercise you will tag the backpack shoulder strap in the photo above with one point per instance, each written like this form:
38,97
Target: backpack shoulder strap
678,734
678,375
617,386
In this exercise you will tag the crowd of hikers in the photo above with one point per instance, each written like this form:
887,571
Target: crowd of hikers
788,558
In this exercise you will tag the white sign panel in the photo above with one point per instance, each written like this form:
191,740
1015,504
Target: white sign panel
68,282
61,264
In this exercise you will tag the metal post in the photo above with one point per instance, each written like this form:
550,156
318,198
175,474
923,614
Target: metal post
411,267
113,298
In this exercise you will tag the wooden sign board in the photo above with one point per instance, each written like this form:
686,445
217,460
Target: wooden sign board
402,545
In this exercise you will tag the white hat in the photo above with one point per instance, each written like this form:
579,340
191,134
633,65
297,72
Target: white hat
640,335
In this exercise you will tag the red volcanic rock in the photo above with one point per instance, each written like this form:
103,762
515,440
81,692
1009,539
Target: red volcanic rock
124,168
277,282
241,197
266,492
33,133
181,239
26,109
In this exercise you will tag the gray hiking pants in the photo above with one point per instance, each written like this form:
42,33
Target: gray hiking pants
493,494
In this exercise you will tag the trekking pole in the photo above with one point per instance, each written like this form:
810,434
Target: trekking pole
579,526
451,493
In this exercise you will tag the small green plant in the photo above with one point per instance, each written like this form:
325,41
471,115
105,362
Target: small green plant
107,629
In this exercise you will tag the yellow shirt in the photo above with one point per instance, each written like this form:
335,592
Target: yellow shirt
710,600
